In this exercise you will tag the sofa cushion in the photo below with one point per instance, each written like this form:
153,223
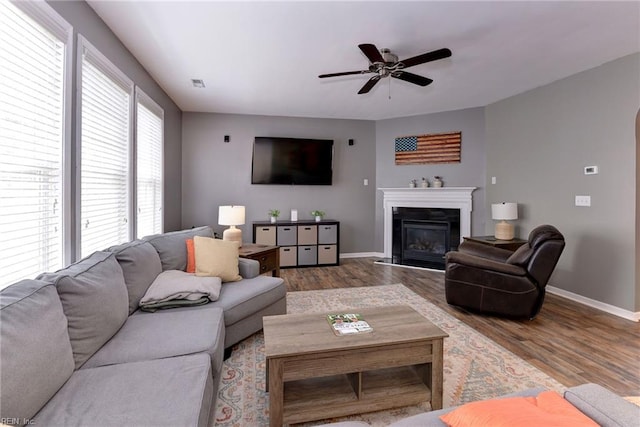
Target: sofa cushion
171,247
94,299
215,257
140,265
248,268
242,299
244,303
177,391
36,352
148,336
603,406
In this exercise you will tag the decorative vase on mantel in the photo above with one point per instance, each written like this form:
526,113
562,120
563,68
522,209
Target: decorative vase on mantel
424,183
437,182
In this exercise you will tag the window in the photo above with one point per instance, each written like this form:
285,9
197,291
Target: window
33,119
47,221
104,147
149,148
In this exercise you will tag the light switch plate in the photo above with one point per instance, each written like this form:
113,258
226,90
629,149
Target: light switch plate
583,200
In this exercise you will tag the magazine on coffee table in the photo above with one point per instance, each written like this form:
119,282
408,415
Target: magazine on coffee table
348,324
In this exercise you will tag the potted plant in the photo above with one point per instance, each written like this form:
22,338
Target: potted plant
437,181
274,214
318,215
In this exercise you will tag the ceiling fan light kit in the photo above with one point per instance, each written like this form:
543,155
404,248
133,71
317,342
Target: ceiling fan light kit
383,63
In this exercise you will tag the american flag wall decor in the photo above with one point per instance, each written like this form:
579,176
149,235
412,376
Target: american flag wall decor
424,149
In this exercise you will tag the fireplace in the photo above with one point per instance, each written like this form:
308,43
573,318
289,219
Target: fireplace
434,221
422,236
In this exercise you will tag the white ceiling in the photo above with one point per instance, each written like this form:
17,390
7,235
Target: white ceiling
264,57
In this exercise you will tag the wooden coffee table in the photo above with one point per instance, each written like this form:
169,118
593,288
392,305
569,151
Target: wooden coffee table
312,374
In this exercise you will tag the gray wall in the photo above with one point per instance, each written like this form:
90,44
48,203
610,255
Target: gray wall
470,172
85,21
637,253
216,173
537,146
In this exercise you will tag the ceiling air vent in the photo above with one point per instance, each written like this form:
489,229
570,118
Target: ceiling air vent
198,83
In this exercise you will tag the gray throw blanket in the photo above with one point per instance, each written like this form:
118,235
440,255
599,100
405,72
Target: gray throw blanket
175,288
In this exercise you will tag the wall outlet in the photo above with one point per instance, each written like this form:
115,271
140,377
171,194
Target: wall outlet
583,200
366,181
493,179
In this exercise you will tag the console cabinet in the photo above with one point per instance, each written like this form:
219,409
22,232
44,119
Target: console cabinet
302,243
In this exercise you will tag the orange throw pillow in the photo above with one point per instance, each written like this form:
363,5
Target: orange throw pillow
191,256
548,409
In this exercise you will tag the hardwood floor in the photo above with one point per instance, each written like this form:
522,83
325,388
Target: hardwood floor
572,343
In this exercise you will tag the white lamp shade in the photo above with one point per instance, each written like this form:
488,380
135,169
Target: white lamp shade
231,215
504,211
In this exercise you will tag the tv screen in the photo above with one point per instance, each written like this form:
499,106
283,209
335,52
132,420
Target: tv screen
292,161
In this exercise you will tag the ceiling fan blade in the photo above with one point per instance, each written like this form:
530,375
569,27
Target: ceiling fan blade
371,52
412,78
346,73
369,85
426,57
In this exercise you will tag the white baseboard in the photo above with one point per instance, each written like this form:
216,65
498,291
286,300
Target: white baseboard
607,308
362,255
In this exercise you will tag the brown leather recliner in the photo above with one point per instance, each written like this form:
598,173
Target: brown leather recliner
490,280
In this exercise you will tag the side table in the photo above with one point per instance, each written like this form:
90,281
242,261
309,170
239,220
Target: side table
267,256
510,245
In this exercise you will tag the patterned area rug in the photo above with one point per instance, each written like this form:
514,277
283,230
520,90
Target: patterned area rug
474,366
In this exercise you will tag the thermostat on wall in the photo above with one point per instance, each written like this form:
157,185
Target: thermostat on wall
590,170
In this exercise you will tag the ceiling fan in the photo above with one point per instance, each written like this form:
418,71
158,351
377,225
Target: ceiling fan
383,64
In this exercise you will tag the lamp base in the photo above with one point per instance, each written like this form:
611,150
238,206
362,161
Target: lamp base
504,231
233,234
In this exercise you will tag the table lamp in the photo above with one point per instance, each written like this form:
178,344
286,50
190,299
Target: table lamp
232,216
504,212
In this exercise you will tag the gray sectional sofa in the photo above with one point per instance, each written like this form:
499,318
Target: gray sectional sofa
601,405
76,350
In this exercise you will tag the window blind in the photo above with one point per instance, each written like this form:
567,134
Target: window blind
149,157
32,77
104,151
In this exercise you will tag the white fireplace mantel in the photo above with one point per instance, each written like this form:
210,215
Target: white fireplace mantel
444,197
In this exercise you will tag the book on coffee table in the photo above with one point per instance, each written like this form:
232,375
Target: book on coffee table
348,324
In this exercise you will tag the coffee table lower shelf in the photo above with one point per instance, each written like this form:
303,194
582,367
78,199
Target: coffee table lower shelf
348,394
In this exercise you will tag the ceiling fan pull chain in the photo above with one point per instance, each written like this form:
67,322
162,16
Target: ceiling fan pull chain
389,88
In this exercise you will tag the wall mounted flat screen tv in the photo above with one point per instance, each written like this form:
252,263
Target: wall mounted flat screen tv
292,161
